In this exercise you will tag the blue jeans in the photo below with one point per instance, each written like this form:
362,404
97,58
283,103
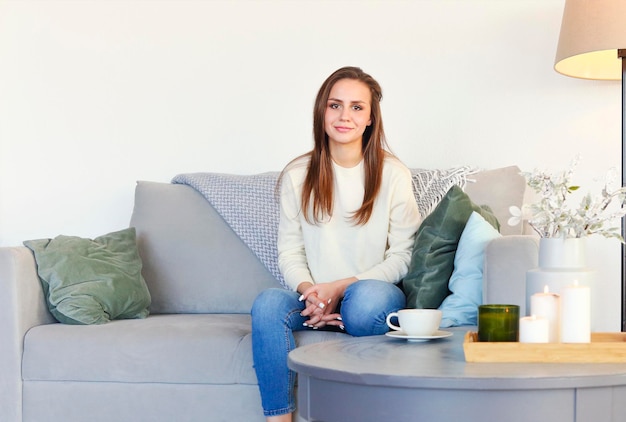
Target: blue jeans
276,315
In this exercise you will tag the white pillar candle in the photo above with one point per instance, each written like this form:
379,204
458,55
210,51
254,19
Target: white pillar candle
576,314
548,305
533,329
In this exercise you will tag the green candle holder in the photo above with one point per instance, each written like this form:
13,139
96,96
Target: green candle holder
498,323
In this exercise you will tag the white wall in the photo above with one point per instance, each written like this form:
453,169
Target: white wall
95,95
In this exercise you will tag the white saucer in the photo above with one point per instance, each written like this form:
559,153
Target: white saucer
403,335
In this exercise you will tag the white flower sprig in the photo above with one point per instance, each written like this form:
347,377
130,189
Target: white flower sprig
552,217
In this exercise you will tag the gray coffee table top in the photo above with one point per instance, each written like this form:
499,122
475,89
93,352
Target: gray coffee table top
439,364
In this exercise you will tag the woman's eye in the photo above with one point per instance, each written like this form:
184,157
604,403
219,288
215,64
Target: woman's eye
334,106
357,108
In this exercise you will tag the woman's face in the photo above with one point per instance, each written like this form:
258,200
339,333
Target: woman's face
348,112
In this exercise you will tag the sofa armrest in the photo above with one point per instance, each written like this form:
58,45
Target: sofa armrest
507,259
22,306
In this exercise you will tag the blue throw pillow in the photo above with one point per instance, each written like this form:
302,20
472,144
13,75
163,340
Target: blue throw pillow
466,282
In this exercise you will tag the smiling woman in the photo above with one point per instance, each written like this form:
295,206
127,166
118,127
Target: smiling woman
347,226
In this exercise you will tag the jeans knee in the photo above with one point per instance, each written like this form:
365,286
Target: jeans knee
274,305
366,306
261,302
376,294
267,301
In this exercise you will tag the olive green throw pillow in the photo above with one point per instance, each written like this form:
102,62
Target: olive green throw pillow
432,261
89,281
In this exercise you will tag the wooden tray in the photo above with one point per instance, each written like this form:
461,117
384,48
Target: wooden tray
604,348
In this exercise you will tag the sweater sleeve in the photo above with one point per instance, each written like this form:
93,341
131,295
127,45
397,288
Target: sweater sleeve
292,259
404,220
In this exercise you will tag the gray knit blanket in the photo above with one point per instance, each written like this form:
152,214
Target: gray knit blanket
250,205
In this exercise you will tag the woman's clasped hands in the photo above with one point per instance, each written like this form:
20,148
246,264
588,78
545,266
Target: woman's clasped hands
321,302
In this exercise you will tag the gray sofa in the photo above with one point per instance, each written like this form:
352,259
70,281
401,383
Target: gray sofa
190,360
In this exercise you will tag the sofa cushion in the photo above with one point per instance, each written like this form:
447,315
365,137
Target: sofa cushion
200,348
89,281
432,260
193,262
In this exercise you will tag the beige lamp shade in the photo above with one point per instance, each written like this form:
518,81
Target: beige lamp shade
592,32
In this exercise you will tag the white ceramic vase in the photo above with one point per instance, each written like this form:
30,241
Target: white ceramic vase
562,262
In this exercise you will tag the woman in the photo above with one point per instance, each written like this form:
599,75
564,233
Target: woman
347,226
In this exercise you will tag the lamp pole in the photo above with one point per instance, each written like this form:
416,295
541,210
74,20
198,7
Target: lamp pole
621,53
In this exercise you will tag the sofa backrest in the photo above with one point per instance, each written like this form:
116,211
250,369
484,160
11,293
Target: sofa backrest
499,189
193,262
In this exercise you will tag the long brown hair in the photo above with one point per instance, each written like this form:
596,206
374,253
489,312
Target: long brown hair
317,190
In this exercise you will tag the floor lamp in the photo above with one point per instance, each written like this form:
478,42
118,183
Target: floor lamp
592,45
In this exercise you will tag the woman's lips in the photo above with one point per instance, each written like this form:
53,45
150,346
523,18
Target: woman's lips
343,129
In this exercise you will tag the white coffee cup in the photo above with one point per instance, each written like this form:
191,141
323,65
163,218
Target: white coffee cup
416,322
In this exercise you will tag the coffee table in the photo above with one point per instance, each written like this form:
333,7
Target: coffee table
379,378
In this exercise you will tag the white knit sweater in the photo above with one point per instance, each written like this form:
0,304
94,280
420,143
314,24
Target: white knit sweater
337,248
